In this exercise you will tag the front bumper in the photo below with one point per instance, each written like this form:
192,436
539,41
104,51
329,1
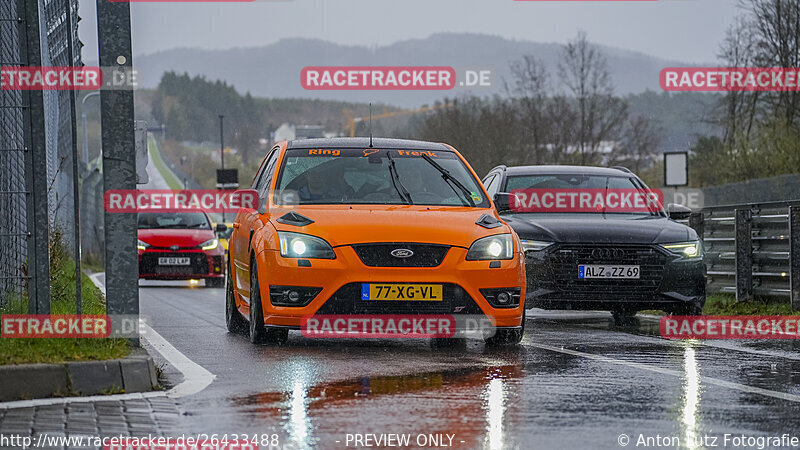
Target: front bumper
203,264
340,281
667,281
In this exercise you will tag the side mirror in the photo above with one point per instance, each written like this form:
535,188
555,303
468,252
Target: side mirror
678,212
221,228
502,201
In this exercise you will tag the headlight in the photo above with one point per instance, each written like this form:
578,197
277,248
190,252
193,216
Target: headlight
500,246
210,244
534,246
686,249
141,245
297,245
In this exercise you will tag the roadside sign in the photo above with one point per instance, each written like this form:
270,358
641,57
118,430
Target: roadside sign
227,178
676,169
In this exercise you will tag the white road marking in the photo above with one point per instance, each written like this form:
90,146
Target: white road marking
195,377
731,345
670,372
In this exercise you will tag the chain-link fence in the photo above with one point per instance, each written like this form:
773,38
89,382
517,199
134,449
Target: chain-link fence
12,163
37,142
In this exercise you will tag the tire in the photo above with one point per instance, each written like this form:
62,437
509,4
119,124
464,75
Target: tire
233,319
259,334
215,282
505,337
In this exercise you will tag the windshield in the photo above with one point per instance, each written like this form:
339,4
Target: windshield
173,220
578,195
372,176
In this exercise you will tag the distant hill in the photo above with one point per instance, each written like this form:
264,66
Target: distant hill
273,71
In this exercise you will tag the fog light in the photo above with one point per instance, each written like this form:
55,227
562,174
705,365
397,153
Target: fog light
294,296
503,298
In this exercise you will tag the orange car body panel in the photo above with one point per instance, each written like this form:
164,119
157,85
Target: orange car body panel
343,225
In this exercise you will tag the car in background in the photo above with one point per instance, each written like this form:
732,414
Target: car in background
618,261
223,234
357,226
180,246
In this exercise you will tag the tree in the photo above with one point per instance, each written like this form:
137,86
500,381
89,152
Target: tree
584,71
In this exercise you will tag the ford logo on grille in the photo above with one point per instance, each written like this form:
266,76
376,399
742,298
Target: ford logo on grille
402,253
608,253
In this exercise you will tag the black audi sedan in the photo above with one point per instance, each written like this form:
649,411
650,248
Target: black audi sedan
599,239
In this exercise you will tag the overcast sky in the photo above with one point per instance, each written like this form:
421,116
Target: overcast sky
683,30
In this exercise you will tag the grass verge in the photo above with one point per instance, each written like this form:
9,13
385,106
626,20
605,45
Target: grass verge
726,305
155,156
62,287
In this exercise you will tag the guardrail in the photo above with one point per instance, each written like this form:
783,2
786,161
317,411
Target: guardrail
752,249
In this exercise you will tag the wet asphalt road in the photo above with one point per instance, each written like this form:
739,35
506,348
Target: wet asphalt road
576,381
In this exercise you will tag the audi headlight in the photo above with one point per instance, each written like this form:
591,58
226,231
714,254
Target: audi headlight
141,245
500,246
686,249
534,246
210,244
297,245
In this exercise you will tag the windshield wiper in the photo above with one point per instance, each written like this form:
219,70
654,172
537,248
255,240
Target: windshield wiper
451,180
398,185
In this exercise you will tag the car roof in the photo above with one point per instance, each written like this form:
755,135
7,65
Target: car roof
364,142
567,170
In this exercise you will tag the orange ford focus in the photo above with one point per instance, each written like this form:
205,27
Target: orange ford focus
360,227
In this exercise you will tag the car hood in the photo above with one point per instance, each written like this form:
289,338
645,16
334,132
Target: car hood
651,230
165,237
396,223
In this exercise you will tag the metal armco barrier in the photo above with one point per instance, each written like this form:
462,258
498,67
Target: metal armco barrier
752,250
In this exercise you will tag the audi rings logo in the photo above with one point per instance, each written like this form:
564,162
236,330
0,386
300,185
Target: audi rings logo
608,253
402,253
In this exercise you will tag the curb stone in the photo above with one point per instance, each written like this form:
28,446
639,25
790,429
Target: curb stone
135,373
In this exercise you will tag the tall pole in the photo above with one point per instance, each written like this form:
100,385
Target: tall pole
222,150
119,162
221,141
76,172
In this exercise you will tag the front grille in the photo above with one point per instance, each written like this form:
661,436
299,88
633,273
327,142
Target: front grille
347,300
564,261
380,255
198,264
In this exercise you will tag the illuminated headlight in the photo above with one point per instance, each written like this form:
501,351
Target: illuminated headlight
500,246
210,244
534,246
141,245
686,249
297,245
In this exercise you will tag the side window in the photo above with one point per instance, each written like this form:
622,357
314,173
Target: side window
492,185
263,175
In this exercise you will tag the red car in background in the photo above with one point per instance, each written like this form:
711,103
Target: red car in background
180,246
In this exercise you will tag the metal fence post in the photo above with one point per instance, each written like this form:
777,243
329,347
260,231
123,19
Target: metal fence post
697,222
794,257
35,165
744,254
119,160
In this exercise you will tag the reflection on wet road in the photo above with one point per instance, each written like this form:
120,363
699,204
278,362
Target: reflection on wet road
576,381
